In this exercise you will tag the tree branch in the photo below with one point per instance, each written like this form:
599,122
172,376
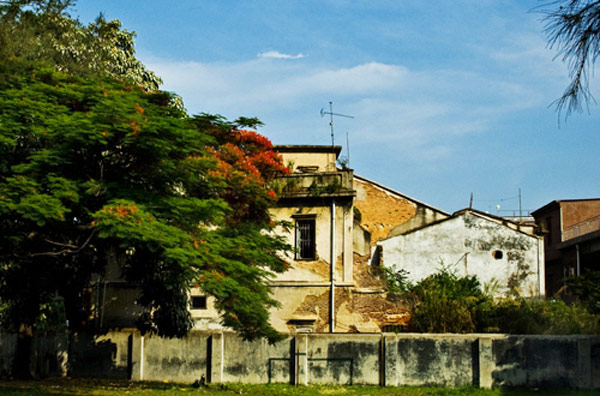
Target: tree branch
74,249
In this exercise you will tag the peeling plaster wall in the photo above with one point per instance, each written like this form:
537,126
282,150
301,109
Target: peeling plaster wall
319,270
384,213
466,243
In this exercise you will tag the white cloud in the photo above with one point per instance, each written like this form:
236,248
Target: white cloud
415,110
279,55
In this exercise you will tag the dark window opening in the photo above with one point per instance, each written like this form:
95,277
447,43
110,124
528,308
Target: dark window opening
198,302
305,239
497,254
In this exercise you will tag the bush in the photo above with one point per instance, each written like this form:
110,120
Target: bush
539,316
446,303
587,290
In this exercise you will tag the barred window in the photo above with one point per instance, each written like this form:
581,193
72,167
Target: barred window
198,302
305,239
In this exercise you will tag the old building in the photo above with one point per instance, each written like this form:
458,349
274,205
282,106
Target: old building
343,227
506,257
335,219
571,230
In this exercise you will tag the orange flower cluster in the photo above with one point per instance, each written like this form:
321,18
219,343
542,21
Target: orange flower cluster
122,211
252,138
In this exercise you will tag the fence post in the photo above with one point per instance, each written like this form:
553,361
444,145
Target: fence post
483,363
584,369
391,357
217,358
302,359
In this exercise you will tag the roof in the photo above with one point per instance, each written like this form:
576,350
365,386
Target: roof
558,202
307,148
364,179
501,220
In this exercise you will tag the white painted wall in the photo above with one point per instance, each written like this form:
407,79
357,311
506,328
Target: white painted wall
466,243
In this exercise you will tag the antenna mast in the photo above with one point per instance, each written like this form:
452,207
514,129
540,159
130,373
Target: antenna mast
331,114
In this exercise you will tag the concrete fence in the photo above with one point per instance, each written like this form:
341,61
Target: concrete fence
388,359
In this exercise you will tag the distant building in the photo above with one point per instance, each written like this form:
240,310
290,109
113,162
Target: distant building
571,230
505,256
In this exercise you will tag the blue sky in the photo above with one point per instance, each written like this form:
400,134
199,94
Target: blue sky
449,98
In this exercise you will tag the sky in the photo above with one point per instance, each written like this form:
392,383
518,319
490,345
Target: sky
449,98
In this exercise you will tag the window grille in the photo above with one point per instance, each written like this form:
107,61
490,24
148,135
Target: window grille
305,239
198,302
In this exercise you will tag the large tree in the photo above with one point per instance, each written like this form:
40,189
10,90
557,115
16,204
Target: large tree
44,30
96,169
573,27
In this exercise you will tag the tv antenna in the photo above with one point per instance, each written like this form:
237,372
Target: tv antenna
331,114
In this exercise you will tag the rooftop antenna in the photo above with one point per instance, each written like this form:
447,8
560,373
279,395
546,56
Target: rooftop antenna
348,148
331,114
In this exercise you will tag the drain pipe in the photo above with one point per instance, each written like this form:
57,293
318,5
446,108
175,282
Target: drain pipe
332,270
578,273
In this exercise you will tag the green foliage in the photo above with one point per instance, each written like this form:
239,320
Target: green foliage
397,282
115,387
572,28
587,289
96,171
43,30
447,303
540,316
444,302
52,316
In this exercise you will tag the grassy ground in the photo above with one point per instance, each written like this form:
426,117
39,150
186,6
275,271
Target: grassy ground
114,388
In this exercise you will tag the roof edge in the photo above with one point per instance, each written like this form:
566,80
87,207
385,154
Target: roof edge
308,148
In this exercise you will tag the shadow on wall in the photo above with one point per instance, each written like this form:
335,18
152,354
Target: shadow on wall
91,354
547,362
33,355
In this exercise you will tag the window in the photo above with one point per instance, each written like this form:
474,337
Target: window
198,302
305,239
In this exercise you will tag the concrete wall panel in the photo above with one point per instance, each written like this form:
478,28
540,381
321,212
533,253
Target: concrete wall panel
255,362
344,358
183,360
435,360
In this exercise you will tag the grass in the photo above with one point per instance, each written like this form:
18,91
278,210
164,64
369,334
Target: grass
79,387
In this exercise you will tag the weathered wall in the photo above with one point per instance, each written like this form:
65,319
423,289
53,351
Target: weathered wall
266,363
419,359
304,290
319,270
384,213
574,212
390,359
471,244
324,161
557,362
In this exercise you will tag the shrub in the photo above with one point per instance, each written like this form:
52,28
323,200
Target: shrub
539,316
587,290
446,303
